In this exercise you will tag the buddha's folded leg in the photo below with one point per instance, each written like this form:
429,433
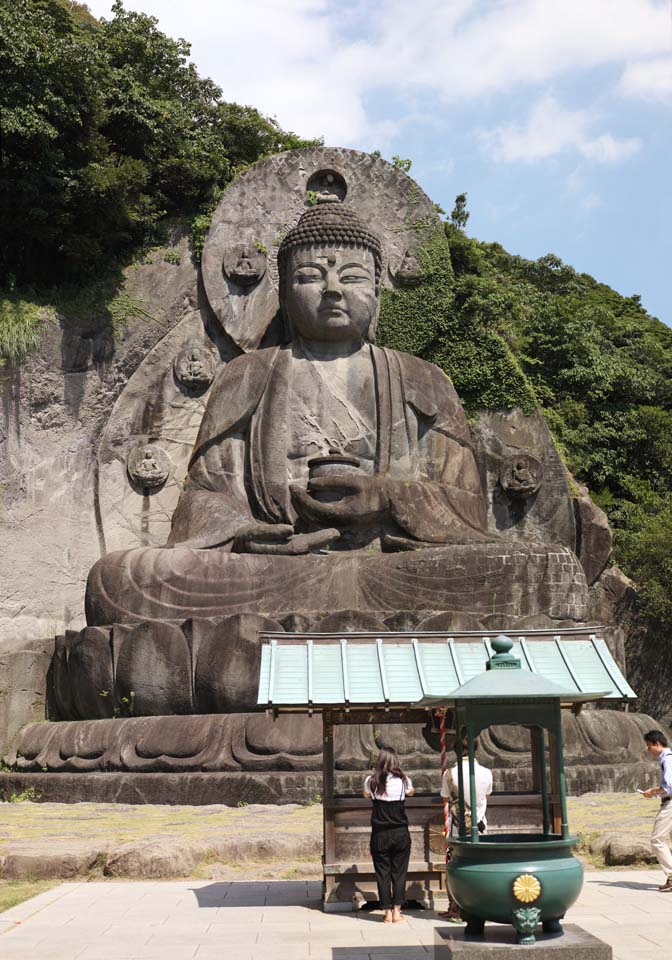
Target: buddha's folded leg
506,578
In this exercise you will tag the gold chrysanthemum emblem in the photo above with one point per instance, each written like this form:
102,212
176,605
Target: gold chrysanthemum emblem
526,888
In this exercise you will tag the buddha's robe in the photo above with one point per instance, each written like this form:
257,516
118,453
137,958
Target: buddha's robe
243,463
239,469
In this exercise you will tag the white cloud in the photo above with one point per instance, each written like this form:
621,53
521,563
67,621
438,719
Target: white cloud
467,48
550,130
648,79
608,149
591,201
319,64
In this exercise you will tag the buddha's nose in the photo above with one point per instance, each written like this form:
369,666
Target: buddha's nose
332,285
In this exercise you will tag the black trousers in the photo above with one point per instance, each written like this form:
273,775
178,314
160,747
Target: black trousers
391,851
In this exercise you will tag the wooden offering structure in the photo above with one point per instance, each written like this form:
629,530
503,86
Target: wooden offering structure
401,678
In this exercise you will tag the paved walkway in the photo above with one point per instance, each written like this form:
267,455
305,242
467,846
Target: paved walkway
282,920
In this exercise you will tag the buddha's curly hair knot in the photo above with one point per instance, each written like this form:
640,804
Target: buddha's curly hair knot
327,224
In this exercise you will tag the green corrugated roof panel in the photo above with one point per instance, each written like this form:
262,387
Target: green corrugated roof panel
364,677
327,674
401,672
360,669
291,674
548,660
438,668
472,658
618,680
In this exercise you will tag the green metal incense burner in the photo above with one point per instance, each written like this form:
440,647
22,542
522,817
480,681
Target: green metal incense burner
521,879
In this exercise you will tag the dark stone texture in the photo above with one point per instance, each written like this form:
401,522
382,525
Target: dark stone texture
611,597
624,851
574,943
259,207
546,516
264,786
31,861
448,530
194,788
154,668
511,580
227,668
24,687
594,537
90,673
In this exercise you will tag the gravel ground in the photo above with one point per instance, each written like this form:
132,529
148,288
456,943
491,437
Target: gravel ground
61,841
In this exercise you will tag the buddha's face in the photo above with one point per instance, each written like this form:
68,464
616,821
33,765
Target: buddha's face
330,293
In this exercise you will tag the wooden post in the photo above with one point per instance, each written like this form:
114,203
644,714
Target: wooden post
460,775
472,776
561,772
329,833
446,802
539,775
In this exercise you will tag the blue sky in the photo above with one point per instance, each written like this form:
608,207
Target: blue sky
553,115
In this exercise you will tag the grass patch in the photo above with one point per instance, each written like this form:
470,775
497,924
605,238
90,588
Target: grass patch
16,891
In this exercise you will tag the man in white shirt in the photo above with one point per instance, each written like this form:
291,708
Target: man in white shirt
449,787
656,744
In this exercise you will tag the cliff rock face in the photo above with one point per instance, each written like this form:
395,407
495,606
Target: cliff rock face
55,408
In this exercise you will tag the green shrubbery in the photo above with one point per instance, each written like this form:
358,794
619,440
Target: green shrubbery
601,370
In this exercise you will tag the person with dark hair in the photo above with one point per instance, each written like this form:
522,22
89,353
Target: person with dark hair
656,744
388,786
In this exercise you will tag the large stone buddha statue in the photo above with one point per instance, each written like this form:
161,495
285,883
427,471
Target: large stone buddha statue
313,481
331,474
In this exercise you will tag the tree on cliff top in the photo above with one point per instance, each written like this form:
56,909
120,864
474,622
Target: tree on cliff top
106,128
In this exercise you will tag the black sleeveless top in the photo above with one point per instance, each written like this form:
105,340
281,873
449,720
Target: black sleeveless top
388,814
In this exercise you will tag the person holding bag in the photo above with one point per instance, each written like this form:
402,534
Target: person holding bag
388,786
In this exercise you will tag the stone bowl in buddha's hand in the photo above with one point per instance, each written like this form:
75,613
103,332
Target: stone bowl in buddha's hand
332,465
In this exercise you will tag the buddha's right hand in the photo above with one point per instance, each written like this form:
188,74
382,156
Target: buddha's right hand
280,539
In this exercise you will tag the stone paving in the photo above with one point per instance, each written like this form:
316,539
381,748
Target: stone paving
282,920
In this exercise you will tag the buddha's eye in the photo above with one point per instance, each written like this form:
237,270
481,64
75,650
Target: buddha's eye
312,276
354,278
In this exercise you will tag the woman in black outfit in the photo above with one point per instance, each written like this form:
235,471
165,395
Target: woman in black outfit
388,786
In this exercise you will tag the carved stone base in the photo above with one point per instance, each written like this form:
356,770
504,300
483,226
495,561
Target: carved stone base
280,761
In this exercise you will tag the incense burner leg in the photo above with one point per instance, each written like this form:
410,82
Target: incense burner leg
475,927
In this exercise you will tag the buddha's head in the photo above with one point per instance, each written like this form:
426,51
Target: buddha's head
330,267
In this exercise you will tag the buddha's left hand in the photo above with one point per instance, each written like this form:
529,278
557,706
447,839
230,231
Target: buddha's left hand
362,498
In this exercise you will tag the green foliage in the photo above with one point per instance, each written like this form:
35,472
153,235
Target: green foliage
20,323
29,795
459,214
459,323
403,163
107,127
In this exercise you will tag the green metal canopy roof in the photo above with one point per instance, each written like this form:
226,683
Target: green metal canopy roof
304,671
